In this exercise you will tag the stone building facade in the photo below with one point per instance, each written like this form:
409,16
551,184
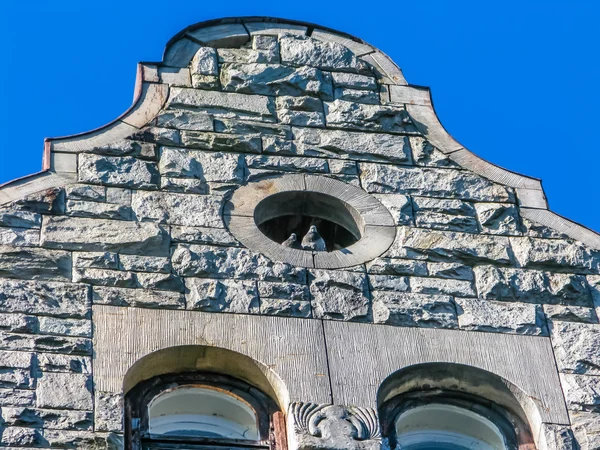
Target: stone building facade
151,248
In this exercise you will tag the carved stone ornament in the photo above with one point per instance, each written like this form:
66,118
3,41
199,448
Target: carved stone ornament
333,427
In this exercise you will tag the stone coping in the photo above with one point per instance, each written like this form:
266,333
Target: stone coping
152,89
377,227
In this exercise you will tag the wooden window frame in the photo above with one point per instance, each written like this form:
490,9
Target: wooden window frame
271,422
516,432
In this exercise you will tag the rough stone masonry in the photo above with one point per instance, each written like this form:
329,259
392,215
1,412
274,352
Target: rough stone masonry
142,227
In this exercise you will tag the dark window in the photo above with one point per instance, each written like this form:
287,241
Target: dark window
201,411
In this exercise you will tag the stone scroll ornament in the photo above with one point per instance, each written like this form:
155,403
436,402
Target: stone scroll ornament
334,427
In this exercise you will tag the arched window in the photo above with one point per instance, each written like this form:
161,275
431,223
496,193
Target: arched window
201,411
446,420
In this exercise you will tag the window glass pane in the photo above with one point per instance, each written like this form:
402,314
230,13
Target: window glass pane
199,411
446,427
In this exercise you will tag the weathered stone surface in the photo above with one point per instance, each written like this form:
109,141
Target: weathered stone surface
66,327
222,104
94,235
555,255
446,286
118,196
205,81
127,147
359,116
498,218
389,266
414,310
357,96
445,214
287,164
16,397
455,271
204,62
586,428
108,412
158,135
342,167
399,206
57,299
145,263
559,437
49,201
388,283
34,264
339,295
211,262
425,154
18,323
21,437
185,120
46,418
222,142
78,208
353,81
531,286
305,51
97,260
500,317
139,298
184,185
379,178
178,209
253,128
300,111
16,378
576,347
86,192
222,296
274,79
283,291
202,165
534,229
49,362
161,281
15,360
582,392
44,343
19,237
286,308
348,144
19,219
104,277
65,391
114,171
77,439
570,313
442,246
203,235
246,56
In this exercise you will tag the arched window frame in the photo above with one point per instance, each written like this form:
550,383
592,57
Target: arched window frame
515,432
271,422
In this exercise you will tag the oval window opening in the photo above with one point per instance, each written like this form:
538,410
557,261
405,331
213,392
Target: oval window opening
292,218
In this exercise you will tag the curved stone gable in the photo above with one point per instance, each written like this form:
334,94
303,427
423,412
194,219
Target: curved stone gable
134,219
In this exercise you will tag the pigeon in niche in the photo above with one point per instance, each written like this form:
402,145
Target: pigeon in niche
313,240
291,242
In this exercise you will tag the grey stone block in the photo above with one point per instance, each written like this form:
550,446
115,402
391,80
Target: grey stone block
395,267
56,299
445,286
283,291
205,62
141,298
305,51
339,295
414,310
388,283
114,171
185,120
85,192
34,264
287,164
285,308
449,183
78,208
582,392
203,235
555,254
500,317
202,165
222,296
570,313
455,271
21,437
50,362
400,206
576,347
586,428
65,327
108,412
19,237
425,154
247,127
354,81
532,286
222,104
498,218
47,418
360,116
18,323
97,260
65,391
222,142
126,147
145,263
16,397
104,277
178,209
445,214
357,96
19,219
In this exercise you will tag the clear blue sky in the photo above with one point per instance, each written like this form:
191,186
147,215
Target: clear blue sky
516,82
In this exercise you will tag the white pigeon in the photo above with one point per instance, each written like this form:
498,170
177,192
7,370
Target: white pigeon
291,242
313,240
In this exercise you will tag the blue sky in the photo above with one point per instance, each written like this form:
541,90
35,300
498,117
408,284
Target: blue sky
516,82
